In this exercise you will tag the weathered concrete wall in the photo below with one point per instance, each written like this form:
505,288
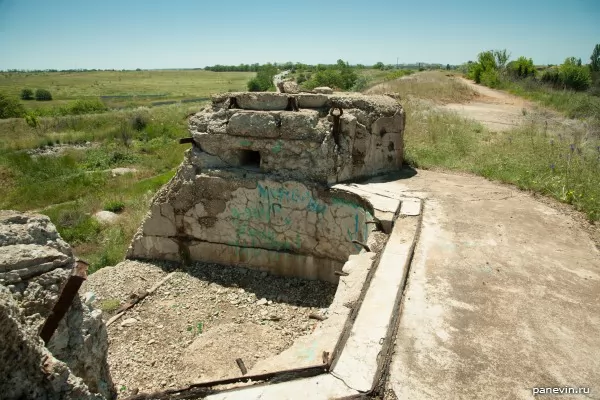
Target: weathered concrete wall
234,217
303,144
34,264
254,188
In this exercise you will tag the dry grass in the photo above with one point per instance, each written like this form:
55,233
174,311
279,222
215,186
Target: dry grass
436,86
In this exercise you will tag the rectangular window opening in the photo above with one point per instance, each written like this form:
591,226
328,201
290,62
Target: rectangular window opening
250,158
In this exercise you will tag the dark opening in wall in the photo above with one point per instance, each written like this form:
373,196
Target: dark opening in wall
249,158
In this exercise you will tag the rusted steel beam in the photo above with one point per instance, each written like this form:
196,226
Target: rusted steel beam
241,365
64,301
204,389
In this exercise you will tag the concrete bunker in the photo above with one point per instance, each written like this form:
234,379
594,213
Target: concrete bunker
255,190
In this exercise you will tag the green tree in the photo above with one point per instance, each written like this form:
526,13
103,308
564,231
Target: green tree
595,59
26,94
10,107
486,61
379,65
522,67
43,95
501,57
574,76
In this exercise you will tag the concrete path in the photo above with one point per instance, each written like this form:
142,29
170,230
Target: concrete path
503,296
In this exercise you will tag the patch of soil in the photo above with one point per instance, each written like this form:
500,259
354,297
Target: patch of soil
195,326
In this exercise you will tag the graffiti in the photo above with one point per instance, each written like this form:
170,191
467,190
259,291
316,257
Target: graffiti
277,147
284,195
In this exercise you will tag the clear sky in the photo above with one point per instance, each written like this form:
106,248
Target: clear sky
64,34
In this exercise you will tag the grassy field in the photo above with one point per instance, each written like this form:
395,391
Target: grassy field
76,180
565,167
123,88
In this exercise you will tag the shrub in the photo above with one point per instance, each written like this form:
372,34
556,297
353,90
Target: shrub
114,206
263,80
84,106
76,227
573,76
139,122
26,94
32,120
551,76
10,107
490,78
43,95
486,61
521,67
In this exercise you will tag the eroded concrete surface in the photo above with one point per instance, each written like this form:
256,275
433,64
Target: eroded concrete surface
503,295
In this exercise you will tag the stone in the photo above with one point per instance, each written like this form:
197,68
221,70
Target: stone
106,217
323,90
261,302
290,87
122,171
129,322
34,256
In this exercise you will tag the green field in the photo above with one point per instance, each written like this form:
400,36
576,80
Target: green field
76,181
132,87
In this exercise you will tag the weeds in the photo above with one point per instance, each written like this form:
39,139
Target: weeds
566,167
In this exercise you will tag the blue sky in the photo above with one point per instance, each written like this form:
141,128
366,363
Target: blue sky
63,34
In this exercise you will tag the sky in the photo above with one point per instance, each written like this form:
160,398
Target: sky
152,34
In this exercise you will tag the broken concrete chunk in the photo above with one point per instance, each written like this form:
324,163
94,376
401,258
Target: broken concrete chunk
323,90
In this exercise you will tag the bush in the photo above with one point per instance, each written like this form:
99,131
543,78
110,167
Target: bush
26,94
139,122
490,78
43,95
114,206
10,107
521,68
340,76
574,76
84,106
551,76
32,120
263,80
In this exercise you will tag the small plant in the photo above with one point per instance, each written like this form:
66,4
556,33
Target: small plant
109,305
115,206
26,94
43,95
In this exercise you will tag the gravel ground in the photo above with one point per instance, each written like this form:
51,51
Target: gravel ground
194,326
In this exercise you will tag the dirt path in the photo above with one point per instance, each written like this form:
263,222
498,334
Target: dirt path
496,110
503,295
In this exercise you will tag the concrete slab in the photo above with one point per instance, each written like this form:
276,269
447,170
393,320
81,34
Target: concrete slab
503,296
359,361
322,387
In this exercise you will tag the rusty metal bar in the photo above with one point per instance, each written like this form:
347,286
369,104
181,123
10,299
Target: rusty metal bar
336,130
65,300
204,389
